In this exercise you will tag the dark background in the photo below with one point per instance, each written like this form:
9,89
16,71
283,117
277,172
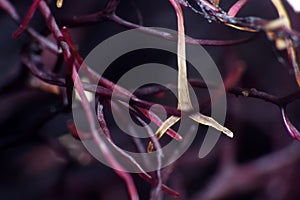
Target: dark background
40,160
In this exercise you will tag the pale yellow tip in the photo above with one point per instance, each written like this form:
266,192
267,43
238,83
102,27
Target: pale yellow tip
228,132
59,3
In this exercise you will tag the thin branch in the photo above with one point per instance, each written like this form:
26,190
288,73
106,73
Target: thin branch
27,19
99,140
87,109
293,131
234,178
103,15
237,7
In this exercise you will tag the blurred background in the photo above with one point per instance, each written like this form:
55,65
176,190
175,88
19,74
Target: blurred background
40,159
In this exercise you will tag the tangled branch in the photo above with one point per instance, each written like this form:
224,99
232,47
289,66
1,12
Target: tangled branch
277,30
